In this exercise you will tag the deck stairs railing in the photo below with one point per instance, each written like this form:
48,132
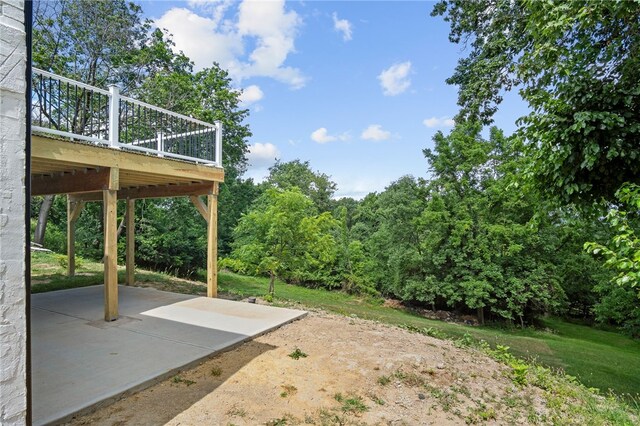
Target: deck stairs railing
76,111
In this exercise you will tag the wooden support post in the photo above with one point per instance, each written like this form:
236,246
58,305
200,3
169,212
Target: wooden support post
131,243
212,242
73,212
110,205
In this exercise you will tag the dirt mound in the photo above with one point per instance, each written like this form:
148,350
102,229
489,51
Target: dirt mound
328,369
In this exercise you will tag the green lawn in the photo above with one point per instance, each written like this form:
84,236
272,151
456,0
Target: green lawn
600,359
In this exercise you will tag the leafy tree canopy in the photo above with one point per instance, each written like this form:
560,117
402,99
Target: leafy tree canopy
283,235
316,185
576,64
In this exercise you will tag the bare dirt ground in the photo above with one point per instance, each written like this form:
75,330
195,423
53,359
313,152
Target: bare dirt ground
355,372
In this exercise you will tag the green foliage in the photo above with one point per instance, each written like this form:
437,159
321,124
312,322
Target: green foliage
576,65
468,238
170,236
619,306
623,253
95,42
384,380
283,236
179,379
63,261
353,404
297,354
296,174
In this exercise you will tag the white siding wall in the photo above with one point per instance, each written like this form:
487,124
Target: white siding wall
13,321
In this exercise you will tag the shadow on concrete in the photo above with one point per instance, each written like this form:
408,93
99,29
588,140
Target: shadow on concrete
161,403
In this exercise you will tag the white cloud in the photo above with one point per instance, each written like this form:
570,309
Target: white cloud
262,155
215,8
191,32
395,79
375,133
274,30
322,135
439,122
266,26
251,94
342,26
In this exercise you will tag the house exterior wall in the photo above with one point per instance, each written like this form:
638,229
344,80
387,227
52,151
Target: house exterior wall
13,318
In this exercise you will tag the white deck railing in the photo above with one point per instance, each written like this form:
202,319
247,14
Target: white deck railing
74,110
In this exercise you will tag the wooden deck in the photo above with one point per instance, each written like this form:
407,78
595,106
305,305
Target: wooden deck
88,172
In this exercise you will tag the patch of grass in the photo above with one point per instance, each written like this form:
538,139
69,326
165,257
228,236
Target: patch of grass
297,354
216,371
482,414
384,380
352,404
377,399
47,275
409,379
178,379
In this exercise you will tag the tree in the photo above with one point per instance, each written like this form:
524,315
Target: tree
207,95
468,238
622,254
283,236
98,43
481,231
108,42
576,64
297,174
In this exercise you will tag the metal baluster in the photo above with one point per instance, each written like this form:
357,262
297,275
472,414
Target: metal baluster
59,112
49,106
90,113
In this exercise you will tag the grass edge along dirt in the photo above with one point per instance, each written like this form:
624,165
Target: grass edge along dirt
547,353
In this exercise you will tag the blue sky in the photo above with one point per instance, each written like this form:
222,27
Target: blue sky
356,88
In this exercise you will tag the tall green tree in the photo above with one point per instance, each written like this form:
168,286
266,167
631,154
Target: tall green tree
297,174
576,65
102,42
284,236
97,43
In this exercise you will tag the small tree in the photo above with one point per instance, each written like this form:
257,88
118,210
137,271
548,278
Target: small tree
283,236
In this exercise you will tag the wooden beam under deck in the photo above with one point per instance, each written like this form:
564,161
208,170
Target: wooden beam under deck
160,191
63,155
88,180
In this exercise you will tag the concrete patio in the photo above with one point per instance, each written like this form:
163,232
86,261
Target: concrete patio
79,360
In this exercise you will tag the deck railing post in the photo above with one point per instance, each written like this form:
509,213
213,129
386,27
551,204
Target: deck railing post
160,144
218,143
114,116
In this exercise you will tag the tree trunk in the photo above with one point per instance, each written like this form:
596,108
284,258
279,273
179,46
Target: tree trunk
121,226
481,316
271,283
43,217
